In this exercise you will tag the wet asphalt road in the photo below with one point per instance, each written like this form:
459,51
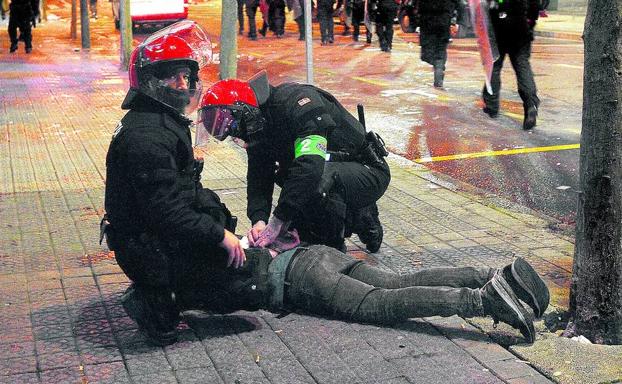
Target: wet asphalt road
444,129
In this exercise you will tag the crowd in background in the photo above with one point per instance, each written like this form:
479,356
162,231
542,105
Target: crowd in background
512,22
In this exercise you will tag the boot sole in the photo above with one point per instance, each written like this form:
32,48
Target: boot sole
528,279
505,291
374,246
135,311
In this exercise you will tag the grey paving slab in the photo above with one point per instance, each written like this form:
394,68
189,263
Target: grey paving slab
17,365
100,355
198,376
107,373
61,375
21,378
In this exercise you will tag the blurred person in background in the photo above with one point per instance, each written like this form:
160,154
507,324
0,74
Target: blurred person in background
383,12
23,15
513,23
325,17
435,19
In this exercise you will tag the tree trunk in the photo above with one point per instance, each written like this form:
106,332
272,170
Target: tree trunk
229,40
596,289
74,22
85,31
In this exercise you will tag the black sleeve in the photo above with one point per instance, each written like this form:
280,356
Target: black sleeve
307,117
259,187
34,4
161,195
533,11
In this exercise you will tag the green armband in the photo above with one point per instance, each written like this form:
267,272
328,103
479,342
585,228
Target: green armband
310,145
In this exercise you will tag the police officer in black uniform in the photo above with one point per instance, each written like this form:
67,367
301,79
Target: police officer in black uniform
383,12
358,17
241,4
251,11
325,18
23,15
301,138
435,19
168,232
276,17
513,23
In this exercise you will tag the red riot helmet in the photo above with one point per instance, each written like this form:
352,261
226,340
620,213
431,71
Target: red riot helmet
229,108
181,45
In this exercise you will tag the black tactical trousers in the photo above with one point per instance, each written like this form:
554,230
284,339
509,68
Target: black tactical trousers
251,11
354,186
276,17
358,15
434,47
384,26
325,281
241,15
519,57
199,278
325,18
20,20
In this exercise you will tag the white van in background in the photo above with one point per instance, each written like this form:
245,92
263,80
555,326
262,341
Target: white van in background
153,12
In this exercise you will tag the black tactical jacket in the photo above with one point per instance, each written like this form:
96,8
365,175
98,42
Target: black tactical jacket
151,183
435,15
25,9
513,21
295,111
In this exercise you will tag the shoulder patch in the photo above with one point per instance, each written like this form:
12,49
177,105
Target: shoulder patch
303,101
117,130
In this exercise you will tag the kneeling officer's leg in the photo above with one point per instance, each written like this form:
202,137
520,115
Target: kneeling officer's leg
150,301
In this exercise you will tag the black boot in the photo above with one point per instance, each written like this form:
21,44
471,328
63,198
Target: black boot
491,112
369,228
530,118
527,285
155,312
501,304
355,33
439,76
439,73
13,47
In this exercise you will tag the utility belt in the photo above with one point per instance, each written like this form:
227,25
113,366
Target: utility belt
116,239
372,153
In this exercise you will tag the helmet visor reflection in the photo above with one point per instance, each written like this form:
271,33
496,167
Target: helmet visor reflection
215,121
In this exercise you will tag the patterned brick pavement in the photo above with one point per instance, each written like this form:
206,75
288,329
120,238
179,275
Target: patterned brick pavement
59,289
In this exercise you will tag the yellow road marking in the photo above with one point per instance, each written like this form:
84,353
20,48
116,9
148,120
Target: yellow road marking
326,71
497,153
375,82
445,98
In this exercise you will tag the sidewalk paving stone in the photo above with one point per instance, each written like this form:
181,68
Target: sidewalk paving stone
60,289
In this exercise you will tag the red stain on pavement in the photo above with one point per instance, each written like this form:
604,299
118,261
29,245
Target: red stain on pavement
90,259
